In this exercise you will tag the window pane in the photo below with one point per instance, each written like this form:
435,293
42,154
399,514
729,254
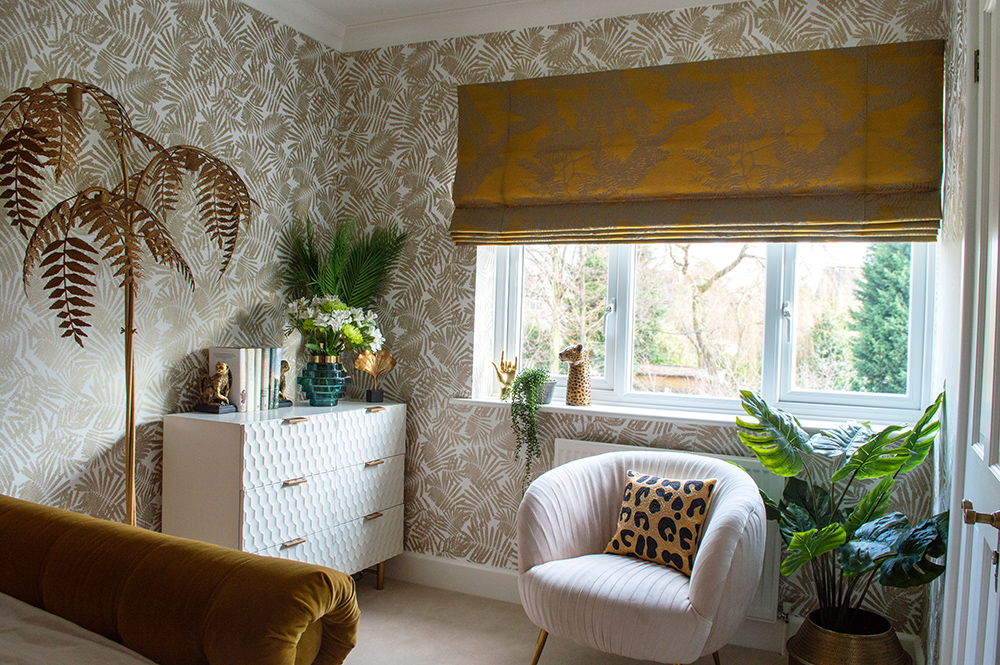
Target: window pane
699,315
565,293
852,324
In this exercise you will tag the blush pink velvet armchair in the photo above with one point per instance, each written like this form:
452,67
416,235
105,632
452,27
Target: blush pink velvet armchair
626,606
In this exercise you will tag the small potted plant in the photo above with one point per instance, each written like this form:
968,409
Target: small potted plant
845,541
530,389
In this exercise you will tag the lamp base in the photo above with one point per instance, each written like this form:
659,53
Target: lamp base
215,408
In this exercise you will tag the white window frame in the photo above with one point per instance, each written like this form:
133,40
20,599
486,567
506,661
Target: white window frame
777,353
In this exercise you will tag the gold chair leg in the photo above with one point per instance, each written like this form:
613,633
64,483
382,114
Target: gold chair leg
715,657
538,647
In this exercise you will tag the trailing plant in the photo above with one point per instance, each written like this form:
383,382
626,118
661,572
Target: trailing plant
524,396
352,271
842,543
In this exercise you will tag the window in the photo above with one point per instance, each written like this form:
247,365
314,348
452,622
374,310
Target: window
814,327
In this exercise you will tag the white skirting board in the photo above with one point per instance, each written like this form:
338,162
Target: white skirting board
501,584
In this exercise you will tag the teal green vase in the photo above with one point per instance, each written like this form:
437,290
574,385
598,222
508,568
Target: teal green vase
324,381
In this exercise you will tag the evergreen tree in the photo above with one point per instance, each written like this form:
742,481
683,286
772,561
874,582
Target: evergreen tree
883,319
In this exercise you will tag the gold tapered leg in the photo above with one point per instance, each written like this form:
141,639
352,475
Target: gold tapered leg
715,657
380,576
538,647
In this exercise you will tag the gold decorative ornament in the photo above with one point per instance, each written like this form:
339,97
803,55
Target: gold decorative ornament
505,374
43,134
282,385
215,387
374,364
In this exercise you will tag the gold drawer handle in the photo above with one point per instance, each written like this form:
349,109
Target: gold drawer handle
292,543
373,516
374,409
295,419
294,481
374,462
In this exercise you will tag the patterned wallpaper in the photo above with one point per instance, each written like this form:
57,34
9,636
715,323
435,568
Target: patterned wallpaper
398,161
213,74
370,135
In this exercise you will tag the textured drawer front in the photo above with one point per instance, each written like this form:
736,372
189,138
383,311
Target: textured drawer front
367,436
298,507
366,488
350,547
362,543
275,450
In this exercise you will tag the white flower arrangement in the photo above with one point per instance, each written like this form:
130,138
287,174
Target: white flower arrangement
330,327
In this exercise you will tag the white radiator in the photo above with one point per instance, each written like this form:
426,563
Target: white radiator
765,603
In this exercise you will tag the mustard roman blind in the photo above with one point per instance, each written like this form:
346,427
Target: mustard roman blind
840,144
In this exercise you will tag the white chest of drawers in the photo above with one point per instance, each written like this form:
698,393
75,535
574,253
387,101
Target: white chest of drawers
323,485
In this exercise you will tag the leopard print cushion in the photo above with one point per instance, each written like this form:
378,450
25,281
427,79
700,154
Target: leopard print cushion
662,520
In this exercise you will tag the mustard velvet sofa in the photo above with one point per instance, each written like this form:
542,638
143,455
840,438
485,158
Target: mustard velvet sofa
173,600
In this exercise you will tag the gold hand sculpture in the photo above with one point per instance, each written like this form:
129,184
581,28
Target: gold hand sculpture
505,374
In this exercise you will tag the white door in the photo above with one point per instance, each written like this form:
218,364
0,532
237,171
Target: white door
971,624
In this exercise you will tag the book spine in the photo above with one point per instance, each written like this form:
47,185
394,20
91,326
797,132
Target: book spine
240,381
270,379
275,377
263,366
251,380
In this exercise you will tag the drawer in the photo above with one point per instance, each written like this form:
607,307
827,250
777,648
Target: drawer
275,450
297,507
349,547
371,435
375,485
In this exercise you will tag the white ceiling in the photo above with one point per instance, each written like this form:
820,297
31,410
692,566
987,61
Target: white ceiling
355,25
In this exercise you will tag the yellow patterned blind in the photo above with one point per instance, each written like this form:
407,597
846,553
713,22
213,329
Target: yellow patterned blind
840,144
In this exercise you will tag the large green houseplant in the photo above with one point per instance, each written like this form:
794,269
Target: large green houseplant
846,540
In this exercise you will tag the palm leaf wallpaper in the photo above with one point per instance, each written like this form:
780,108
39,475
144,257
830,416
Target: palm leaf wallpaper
369,135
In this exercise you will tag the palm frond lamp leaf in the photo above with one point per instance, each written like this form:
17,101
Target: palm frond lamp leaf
43,132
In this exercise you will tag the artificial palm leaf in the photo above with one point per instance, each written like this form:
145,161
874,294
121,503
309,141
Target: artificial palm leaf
776,438
811,544
369,263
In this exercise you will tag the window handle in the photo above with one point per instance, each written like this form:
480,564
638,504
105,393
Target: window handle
786,314
611,306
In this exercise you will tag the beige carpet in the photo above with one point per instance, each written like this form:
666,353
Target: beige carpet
417,625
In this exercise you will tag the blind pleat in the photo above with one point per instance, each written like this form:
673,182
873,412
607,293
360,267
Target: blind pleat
824,145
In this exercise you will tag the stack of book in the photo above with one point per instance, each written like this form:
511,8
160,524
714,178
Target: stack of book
254,376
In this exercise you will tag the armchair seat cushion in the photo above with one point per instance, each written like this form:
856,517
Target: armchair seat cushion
628,617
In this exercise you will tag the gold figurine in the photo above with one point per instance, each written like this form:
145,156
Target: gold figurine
505,374
374,364
215,387
282,386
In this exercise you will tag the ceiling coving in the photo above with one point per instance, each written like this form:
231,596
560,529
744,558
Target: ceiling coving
357,25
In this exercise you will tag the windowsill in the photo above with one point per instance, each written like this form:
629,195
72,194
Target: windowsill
640,413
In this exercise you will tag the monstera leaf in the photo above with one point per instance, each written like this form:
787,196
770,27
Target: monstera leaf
808,545
776,438
843,440
875,458
920,438
911,565
872,507
872,542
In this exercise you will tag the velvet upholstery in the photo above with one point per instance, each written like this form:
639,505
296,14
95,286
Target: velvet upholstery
173,600
627,606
